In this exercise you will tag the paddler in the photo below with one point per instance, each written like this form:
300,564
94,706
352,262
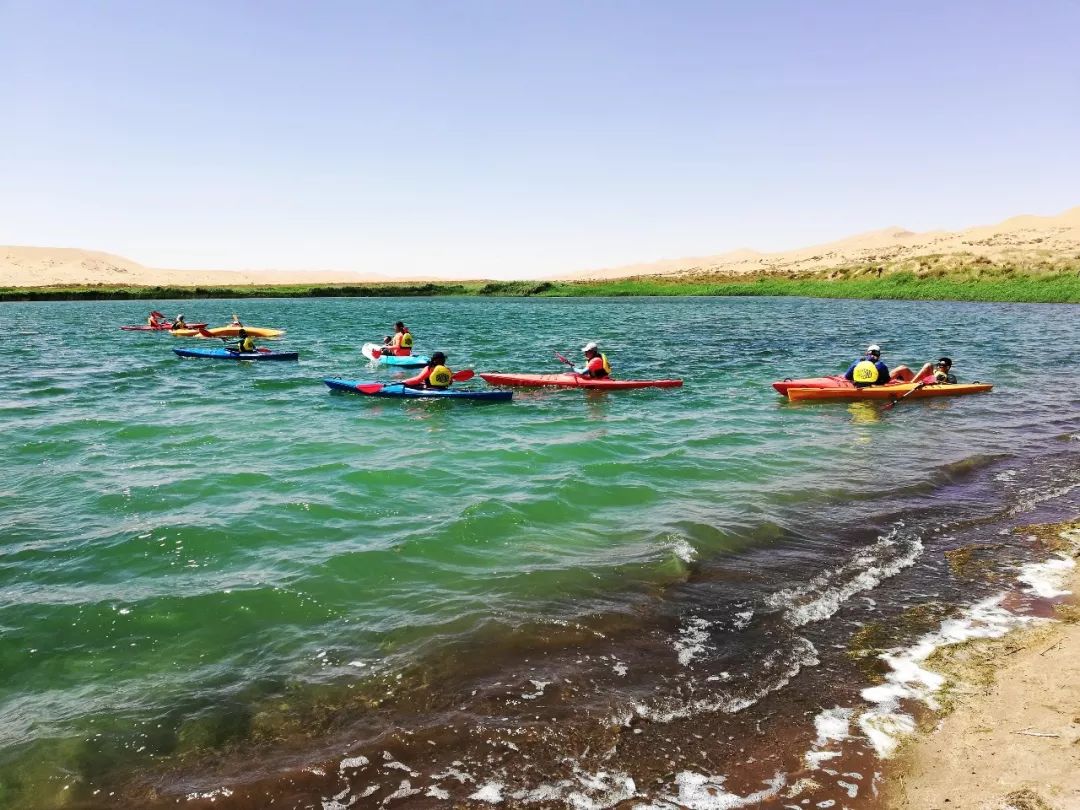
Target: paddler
154,319
939,374
400,345
596,364
435,374
869,370
244,344
235,321
179,322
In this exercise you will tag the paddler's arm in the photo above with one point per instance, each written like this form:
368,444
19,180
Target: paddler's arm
419,380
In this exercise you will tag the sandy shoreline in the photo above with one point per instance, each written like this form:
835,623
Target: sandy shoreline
1010,733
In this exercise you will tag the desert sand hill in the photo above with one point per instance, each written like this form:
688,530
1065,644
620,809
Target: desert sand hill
1023,239
41,266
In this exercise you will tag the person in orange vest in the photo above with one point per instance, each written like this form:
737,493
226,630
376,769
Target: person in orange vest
401,343
596,364
435,374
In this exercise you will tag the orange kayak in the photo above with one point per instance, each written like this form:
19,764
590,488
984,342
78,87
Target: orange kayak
887,391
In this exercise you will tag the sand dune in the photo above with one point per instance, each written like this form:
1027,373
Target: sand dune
43,266
1021,238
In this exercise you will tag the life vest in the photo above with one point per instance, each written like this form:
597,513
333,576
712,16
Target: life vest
247,344
598,367
440,377
406,340
865,373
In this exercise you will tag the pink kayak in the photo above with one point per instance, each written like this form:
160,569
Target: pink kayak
574,381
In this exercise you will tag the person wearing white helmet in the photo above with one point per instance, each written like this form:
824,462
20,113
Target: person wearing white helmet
596,364
179,322
869,370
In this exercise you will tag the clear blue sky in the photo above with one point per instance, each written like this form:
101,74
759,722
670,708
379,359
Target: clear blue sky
519,139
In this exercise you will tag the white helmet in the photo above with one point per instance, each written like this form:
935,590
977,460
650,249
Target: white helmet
873,348
589,347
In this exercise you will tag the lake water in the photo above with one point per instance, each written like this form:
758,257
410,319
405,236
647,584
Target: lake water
222,584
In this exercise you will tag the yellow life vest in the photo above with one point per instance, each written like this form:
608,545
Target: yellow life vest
247,344
607,367
865,372
406,340
440,377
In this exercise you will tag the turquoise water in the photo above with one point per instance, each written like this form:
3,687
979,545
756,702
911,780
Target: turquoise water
186,542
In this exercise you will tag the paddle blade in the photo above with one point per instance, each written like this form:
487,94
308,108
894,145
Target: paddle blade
464,374
369,388
564,360
376,353
263,349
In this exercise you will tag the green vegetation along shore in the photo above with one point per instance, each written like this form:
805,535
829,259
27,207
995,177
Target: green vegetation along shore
971,283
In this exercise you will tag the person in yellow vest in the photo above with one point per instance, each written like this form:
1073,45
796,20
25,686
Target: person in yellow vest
401,343
868,371
596,364
435,374
244,343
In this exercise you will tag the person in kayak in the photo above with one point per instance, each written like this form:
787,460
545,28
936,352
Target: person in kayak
179,322
400,345
435,374
939,374
244,344
235,321
596,364
155,319
870,370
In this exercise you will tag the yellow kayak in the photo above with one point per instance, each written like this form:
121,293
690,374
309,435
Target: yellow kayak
887,391
231,331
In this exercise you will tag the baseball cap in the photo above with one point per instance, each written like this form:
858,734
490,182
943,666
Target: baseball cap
588,347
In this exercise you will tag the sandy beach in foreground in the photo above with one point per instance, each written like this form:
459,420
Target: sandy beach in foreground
1010,737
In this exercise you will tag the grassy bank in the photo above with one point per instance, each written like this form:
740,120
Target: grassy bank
981,284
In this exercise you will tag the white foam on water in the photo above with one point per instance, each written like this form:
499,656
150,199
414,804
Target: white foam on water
700,792
693,639
405,789
665,710
833,725
824,594
353,762
1047,580
490,792
681,548
540,686
437,793
601,790
742,619
885,724
212,795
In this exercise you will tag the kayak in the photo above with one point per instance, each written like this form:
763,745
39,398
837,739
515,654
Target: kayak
163,328
225,354
400,391
892,392
231,331
404,361
835,381
901,375
575,381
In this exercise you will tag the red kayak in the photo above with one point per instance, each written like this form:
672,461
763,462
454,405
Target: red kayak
164,327
901,375
574,381
836,381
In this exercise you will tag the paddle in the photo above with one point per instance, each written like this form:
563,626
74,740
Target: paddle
896,402
564,360
374,388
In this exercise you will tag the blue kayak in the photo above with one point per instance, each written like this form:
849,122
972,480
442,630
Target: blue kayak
397,390
405,361
225,354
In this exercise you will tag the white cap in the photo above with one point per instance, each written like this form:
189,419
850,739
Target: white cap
588,347
873,348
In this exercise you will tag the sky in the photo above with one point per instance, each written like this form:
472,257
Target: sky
472,138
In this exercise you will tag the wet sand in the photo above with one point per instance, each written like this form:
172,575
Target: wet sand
1010,734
